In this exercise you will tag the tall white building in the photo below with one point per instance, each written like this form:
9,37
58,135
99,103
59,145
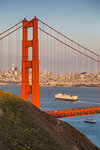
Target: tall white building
12,67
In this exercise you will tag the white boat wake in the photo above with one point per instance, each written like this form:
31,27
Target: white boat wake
87,102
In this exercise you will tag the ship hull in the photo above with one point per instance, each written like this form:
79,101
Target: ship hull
72,100
90,121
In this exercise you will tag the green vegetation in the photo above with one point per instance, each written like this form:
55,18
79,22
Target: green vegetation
25,127
19,129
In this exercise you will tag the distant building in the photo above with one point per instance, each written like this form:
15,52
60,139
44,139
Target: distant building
15,73
16,68
84,73
45,72
12,67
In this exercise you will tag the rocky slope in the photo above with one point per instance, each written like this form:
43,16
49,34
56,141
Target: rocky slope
25,127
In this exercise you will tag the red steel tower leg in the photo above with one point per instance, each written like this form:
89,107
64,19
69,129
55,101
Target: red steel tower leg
35,66
25,71
26,89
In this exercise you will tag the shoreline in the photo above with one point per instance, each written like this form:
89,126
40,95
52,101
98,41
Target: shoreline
56,86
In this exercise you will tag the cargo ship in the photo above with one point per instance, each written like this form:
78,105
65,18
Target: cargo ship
61,96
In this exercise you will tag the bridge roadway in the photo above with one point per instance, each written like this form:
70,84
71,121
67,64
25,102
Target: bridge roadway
73,112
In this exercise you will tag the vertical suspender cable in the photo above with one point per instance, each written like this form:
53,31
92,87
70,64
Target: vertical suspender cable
61,71
74,77
91,79
78,75
54,59
65,71
43,69
50,73
47,77
58,67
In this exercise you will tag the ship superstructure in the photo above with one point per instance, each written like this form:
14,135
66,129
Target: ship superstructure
66,97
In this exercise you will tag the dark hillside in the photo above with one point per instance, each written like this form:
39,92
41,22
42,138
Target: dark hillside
25,127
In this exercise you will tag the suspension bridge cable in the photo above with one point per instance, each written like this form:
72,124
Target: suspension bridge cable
10,28
69,39
10,33
69,46
16,29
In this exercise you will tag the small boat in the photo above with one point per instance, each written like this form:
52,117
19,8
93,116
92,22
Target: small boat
90,120
66,97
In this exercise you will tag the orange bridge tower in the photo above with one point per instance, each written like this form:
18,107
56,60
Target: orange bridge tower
33,89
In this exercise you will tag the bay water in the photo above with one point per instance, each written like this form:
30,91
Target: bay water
87,97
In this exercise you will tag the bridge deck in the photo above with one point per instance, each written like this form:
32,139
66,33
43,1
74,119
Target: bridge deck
74,112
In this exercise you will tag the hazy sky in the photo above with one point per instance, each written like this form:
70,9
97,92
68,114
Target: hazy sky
78,19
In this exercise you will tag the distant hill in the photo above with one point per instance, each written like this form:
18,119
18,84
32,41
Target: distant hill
25,127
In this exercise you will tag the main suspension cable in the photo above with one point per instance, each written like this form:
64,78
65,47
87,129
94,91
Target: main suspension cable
10,33
15,29
69,39
69,46
10,28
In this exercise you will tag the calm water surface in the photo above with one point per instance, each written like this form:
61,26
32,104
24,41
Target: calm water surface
87,97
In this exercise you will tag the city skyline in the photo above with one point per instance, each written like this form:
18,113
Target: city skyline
12,76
